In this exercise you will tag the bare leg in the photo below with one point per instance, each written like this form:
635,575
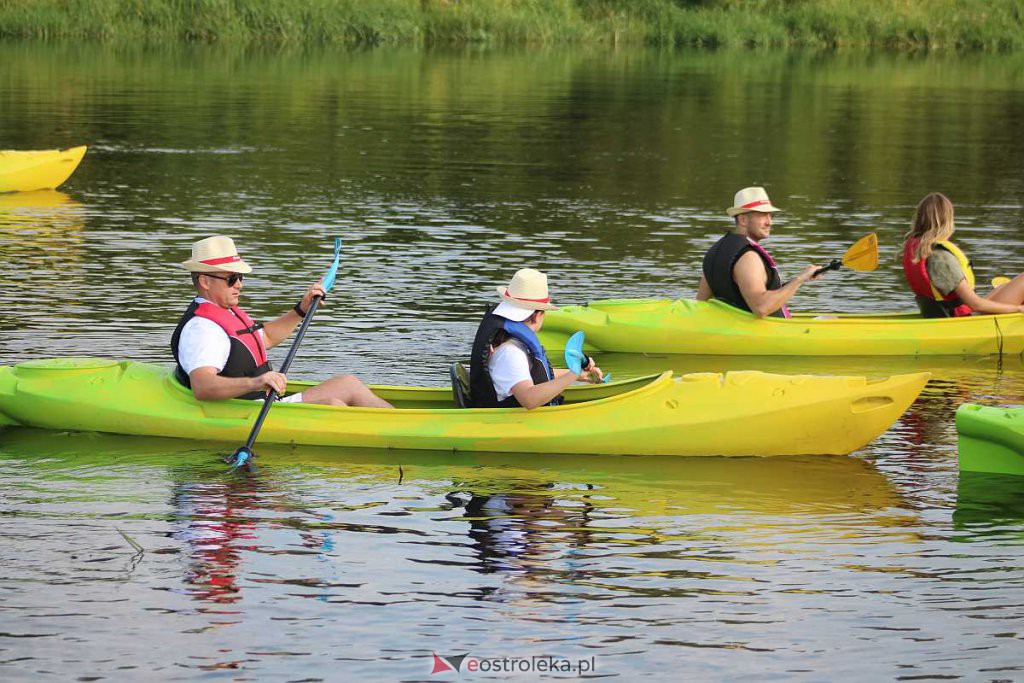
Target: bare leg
1010,293
344,390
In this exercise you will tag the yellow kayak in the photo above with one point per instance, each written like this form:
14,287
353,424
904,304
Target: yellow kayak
37,170
738,413
686,326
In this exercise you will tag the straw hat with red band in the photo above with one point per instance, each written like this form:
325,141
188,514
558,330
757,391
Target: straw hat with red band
528,292
216,255
751,199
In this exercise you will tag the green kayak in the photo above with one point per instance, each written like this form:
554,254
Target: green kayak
991,439
695,414
685,326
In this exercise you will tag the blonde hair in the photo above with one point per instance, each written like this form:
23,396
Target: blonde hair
933,222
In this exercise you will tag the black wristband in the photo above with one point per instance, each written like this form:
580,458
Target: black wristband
298,309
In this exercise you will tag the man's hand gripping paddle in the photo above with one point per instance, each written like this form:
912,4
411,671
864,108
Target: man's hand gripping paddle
244,455
862,255
575,359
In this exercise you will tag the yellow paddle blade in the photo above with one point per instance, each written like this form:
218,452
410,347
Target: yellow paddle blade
999,281
863,255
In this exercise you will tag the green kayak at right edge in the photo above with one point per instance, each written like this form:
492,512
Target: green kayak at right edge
991,439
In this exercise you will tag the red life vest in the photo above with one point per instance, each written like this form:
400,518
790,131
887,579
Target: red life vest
248,334
949,305
248,354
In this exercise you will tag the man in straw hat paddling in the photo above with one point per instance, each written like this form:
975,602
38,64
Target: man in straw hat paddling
221,353
508,367
739,271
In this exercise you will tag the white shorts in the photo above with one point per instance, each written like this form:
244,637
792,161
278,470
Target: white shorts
294,398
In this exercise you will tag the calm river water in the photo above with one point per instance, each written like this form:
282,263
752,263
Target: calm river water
125,558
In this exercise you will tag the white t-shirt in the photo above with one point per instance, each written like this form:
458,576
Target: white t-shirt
203,343
509,365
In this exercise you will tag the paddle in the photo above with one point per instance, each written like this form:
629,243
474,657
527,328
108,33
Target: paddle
574,356
1000,281
244,454
862,255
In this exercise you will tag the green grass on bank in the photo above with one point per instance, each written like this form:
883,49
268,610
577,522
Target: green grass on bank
993,25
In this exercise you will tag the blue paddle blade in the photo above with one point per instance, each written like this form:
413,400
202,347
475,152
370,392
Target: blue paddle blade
241,458
332,272
574,356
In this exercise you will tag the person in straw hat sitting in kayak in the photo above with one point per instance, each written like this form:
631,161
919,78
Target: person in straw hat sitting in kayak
508,367
221,353
741,272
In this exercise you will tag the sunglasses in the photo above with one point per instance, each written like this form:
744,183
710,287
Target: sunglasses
232,279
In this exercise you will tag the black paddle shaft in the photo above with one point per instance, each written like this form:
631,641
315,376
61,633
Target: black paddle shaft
835,265
272,394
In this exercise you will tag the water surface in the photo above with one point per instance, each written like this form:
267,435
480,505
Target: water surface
444,172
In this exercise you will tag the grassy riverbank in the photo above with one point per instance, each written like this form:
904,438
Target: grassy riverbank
992,25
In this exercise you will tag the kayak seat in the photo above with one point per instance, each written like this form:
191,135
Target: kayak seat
460,385
930,308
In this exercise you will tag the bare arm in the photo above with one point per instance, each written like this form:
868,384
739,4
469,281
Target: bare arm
703,290
532,395
749,273
591,373
981,304
279,329
207,385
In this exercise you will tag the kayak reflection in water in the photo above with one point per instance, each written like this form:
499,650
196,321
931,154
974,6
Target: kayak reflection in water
221,353
739,271
940,275
509,367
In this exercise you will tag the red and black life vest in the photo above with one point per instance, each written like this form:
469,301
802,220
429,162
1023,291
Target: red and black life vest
248,355
932,302
721,258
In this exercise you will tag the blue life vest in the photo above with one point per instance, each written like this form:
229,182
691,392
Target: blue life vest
524,334
481,386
